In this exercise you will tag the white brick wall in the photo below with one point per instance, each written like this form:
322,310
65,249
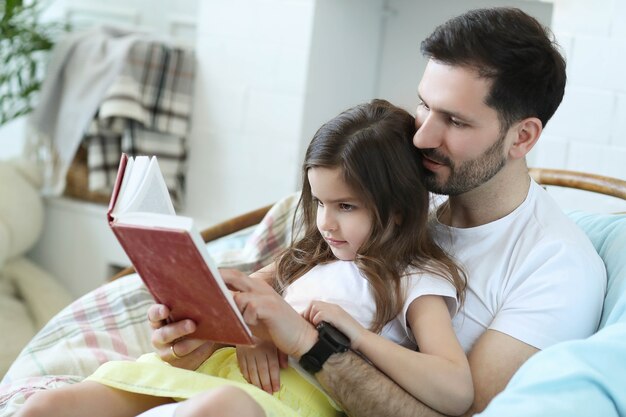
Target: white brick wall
260,74
249,98
588,132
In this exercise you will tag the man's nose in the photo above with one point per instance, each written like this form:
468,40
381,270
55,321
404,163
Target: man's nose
429,134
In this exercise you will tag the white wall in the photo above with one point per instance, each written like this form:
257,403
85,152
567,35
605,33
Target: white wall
249,103
271,71
344,60
407,23
588,131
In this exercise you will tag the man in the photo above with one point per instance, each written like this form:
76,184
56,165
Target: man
493,80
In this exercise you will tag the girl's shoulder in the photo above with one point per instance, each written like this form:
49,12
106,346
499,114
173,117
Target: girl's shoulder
417,282
422,281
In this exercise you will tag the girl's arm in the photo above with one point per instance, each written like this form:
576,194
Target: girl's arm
438,375
266,273
261,364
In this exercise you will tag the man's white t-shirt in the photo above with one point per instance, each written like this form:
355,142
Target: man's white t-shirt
533,275
342,283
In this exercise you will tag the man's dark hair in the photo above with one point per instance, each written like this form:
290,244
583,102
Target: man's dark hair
512,49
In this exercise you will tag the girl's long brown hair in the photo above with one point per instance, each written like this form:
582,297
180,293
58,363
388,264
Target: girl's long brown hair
372,144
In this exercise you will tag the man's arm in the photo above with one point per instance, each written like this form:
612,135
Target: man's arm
359,387
493,360
363,391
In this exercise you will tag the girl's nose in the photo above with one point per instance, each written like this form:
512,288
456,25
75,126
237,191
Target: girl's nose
327,221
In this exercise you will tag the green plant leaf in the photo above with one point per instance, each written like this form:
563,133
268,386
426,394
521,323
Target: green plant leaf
24,44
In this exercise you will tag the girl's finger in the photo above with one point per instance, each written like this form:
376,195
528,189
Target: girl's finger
157,313
169,333
283,360
243,366
274,372
185,346
318,318
264,373
253,372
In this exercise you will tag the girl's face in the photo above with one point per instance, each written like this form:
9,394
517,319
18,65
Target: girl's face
342,218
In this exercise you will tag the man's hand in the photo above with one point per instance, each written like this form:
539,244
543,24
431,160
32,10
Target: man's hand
269,315
172,339
261,364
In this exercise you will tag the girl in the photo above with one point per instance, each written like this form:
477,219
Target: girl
365,262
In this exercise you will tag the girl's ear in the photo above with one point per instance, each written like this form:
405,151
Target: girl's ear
527,133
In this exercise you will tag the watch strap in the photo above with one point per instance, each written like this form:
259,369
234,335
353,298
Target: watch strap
330,341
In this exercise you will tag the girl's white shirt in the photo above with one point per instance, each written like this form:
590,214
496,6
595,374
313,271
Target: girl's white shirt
342,283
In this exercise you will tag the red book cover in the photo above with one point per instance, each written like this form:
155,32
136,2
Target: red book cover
173,263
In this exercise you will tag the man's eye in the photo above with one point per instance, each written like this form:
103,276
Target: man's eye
423,105
457,123
346,207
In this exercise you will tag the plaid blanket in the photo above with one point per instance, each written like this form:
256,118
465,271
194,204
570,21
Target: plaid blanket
110,322
70,96
146,111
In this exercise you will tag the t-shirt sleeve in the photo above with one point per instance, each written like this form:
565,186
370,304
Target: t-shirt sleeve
563,284
419,284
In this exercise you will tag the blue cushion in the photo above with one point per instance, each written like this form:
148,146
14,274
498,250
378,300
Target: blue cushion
608,235
581,377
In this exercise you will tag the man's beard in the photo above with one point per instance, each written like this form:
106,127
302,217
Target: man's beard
467,175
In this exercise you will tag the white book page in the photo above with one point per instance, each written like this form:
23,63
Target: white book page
145,190
134,172
122,197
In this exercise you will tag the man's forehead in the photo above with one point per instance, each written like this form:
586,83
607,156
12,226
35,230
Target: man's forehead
454,89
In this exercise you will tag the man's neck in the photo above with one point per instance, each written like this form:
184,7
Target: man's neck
491,201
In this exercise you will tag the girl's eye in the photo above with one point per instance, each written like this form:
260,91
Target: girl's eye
317,202
346,207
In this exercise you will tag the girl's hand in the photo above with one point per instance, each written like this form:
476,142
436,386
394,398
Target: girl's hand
269,315
175,337
261,365
319,311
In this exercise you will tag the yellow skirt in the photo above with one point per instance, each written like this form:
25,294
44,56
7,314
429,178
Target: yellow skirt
151,376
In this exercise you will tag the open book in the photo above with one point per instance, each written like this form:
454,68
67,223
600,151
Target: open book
169,254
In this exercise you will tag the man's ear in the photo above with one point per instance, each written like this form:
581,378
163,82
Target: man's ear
527,133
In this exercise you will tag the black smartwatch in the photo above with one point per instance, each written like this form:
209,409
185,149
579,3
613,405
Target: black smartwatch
330,341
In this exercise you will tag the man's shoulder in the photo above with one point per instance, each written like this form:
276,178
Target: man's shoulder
547,220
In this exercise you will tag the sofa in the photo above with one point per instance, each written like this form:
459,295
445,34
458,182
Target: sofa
576,378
